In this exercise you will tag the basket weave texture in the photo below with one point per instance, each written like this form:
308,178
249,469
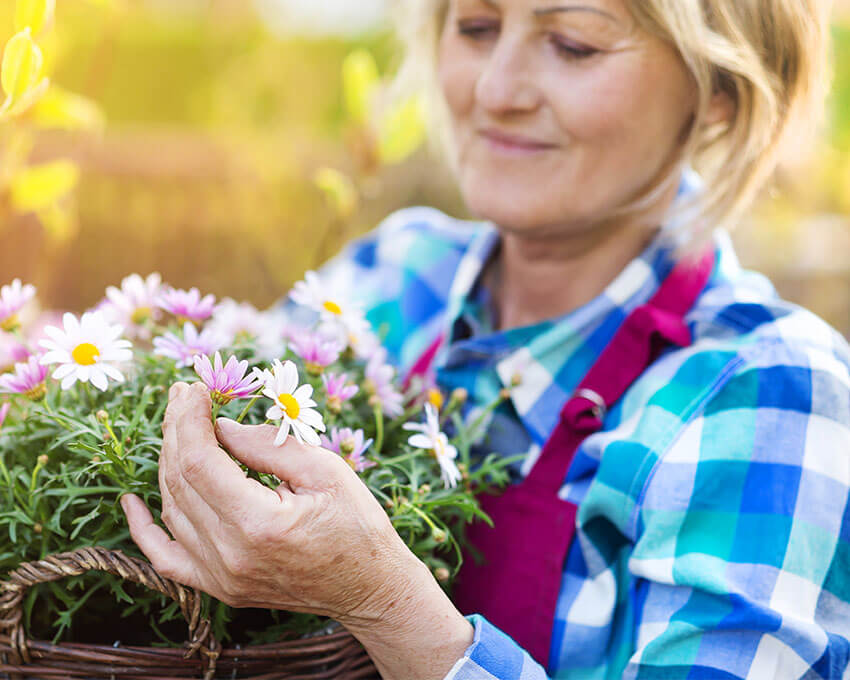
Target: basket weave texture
337,655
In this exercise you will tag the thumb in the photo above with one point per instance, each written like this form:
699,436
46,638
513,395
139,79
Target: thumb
300,465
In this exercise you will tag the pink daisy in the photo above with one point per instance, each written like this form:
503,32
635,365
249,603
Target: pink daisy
187,305
351,445
338,390
13,297
317,351
28,380
379,384
11,352
184,350
226,382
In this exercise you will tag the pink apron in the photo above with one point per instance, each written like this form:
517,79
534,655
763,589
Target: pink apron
517,584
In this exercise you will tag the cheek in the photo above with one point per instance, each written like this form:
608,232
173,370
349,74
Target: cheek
457,74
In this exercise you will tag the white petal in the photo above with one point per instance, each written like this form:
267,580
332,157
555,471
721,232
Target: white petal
56,356
69,380
421,441
63,370
306,434
98,379
274,413
312,418
290,378
282,434
112,372
303,393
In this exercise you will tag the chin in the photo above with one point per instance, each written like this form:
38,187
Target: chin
510,204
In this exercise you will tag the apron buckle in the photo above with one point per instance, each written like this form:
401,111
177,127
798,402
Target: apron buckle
600,408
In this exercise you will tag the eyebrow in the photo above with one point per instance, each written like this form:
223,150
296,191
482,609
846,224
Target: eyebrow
565,8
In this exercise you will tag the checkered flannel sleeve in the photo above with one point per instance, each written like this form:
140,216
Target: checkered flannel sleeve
494,656
741,568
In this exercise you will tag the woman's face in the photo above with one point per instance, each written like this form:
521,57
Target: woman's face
562,110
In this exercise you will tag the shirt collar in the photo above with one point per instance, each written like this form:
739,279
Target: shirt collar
544,363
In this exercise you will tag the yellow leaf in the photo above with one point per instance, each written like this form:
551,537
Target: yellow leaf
35,14
22,61
339,191
403,131
36,188
67,111
59,222
359,80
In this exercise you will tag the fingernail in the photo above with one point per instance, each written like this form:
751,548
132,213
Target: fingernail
227,425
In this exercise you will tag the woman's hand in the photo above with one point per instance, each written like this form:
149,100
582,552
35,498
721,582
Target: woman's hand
319,543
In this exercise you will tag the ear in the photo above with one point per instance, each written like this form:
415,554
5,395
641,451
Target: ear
721,108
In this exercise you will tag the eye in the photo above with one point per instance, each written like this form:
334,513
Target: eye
478,29
570,49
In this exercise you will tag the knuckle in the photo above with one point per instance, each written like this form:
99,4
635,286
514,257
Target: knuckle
193,462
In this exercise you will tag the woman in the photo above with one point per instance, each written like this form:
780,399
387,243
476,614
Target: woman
683,508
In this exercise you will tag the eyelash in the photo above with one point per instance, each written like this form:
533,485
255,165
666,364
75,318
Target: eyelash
480,31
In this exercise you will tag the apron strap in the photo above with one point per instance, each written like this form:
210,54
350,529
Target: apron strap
637,343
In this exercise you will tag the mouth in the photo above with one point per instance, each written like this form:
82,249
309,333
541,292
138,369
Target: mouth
511,144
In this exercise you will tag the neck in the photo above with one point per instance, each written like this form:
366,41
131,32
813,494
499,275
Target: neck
546,277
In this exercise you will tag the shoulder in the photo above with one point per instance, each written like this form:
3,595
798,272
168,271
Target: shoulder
401,274
761,396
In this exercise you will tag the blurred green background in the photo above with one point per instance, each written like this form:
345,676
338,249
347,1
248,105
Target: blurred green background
219,112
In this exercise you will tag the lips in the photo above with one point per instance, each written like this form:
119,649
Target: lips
513,142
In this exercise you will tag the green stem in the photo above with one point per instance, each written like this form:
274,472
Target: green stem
379,430
247,408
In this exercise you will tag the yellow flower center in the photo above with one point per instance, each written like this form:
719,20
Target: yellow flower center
332,307
10,324
85,354
290,405
140,315
435,397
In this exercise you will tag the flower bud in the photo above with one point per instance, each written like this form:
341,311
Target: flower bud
424,490
42,459
442,574
460,395
346,446
102,416
504,394
334,404
439,535
37,528
95,459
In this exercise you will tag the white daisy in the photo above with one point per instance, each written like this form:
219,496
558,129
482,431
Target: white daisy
237,322
429,437
338,317
86,349
293,404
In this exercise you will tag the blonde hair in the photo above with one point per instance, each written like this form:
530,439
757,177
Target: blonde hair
769,56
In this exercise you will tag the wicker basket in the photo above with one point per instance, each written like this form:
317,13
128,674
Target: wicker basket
336,655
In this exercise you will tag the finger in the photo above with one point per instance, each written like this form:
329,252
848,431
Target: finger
300,465
180,527
196,459
169,558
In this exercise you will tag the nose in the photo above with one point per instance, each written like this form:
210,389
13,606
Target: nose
506,84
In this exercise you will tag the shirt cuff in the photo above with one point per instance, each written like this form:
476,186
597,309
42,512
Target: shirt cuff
493,655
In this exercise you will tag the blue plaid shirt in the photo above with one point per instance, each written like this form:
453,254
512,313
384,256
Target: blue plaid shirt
713,527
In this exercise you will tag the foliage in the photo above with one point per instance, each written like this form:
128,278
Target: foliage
67,457
42,189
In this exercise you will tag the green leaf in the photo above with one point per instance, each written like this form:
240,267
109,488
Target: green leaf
403,131
359,80
339,191
34,14
40,186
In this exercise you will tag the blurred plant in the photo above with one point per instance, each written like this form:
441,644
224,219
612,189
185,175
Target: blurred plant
380,130
30,105
88,429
